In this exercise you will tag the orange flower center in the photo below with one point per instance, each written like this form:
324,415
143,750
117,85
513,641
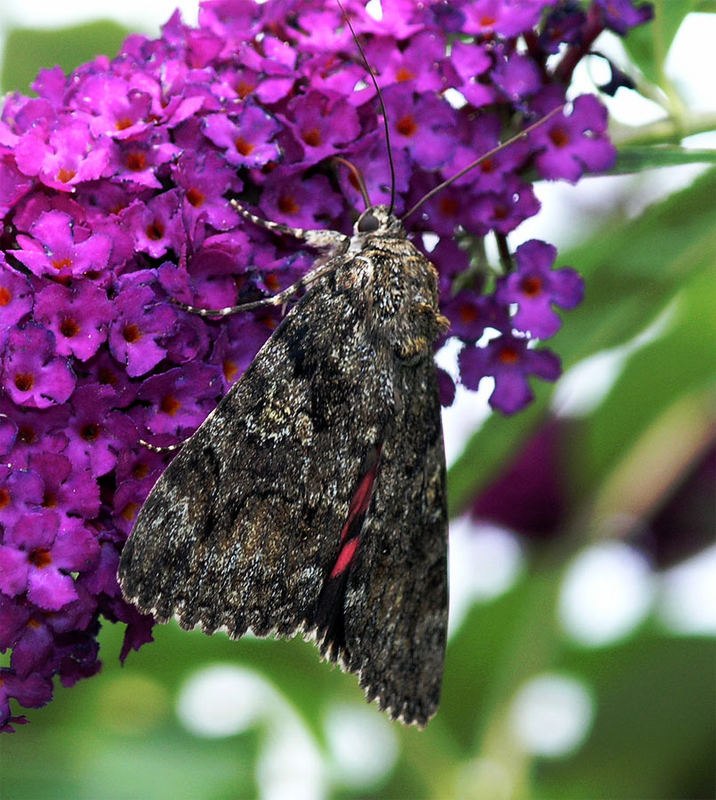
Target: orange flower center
40,558
131,334
170,405
24,381
407,126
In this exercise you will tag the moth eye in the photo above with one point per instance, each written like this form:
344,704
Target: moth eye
367,223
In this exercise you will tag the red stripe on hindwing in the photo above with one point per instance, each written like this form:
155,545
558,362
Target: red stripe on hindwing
362,495
328,616
345,556
350,535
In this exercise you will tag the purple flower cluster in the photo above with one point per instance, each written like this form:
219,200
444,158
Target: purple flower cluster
116,186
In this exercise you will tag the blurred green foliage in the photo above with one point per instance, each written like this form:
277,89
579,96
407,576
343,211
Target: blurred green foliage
117,735
28,50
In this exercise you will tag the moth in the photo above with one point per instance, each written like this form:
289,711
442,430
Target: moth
312,500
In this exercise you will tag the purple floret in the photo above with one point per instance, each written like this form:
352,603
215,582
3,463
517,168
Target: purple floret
535,288
509,361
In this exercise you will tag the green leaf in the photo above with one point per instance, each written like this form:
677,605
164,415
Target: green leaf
648,45
28,50
634,158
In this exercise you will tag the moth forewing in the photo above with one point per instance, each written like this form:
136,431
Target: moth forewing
313,498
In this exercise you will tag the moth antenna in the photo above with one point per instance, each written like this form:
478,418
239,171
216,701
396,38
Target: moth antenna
359,179
490,153
369,69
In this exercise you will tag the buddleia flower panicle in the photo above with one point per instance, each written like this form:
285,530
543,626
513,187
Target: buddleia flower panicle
117,181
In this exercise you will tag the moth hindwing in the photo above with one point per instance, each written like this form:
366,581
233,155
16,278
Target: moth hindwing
312,499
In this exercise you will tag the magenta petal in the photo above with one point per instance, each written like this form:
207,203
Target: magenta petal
512,392
538,319
32,692
543,363
75,550
567,287
13,570
33,649
50,589
35,530
13,619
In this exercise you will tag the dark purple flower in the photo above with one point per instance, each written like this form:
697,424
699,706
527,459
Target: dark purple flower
446,388
32,692
400,19
418,63
517,77
300,203
14,617
422,127
77,317
205,181
322,125
13,184
31,373
15,298
74,491
277,69
470,315
62,152
451,260
156,225
563,24
140,323
177,401
232,361
574,143
8,434
35,431
59,247
530,495
32,647
246,140
535,287
493,173
509,361
137,161
470,61
505,17
503,211
20,490
39,553
621,15
96,431
371,159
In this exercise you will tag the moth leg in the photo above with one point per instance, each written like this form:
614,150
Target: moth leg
322,240
331,242
166,448
279,299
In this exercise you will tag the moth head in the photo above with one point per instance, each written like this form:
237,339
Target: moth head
379,220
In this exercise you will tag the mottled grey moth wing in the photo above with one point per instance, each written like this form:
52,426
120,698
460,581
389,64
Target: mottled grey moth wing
313,498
